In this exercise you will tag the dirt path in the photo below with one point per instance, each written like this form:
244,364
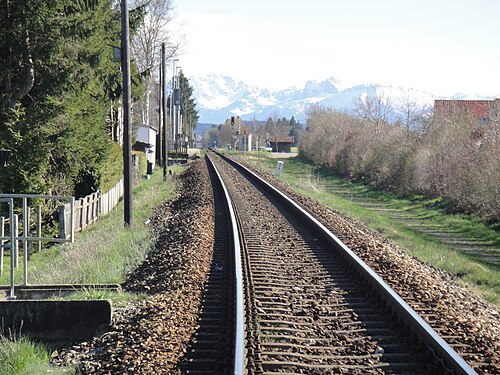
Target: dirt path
469,245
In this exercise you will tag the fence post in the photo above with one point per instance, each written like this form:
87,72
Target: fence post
15,245
100,203
12,235
26,250
80,209
95,207
90,212
72,219
39,226
28,230
62,222
2,233
25,232
89,207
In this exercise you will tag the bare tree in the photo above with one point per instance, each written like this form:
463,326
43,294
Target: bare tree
146,45
411,114
374,109
277,127
225,136
210,137
495,120
257,129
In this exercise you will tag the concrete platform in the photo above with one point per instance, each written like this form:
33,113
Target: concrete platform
31,292
55,323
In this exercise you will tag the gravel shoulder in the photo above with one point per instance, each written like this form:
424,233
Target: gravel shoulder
150,336
450,304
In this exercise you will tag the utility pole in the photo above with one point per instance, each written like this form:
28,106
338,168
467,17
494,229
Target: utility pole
158,149
164,108
127,131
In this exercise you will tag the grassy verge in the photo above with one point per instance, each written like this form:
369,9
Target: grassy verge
479,275
103,253
106,251
21,356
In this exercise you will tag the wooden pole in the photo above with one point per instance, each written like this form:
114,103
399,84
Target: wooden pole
127,131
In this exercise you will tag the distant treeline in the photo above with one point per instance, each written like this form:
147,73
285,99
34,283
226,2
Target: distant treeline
262,131
451,157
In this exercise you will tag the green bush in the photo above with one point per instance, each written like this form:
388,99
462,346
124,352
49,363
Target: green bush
143,162
112,168
18,356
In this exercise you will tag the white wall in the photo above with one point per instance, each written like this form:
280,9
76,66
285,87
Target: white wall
147,135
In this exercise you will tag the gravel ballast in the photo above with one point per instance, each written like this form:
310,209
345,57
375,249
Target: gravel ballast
150,336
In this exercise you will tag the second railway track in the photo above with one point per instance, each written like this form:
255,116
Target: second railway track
307,311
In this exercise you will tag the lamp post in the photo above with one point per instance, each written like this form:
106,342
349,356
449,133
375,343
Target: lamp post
161,115
172,100
127,131
164,107
178,134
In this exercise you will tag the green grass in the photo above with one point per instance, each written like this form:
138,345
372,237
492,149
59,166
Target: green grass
104,253
481,276
21,356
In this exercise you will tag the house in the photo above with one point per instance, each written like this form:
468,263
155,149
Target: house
146,142
281,144
244,141
481,111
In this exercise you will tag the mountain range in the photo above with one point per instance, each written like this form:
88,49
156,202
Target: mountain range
219,97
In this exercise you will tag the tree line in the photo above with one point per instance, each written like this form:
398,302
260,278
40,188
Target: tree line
262,131
452,157
60,90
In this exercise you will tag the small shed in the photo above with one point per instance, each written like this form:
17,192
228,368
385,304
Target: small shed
281,144
146,141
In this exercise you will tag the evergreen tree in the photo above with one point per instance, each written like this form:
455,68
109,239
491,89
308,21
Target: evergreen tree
295,130
58,85
188,106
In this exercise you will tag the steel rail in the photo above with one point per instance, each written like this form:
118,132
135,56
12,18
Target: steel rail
239,345
411,318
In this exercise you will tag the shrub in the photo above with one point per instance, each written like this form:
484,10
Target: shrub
454,158
112,168
19,354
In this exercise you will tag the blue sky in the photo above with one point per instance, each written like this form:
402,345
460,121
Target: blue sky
441,46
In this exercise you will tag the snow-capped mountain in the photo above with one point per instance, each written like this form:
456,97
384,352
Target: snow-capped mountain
220,97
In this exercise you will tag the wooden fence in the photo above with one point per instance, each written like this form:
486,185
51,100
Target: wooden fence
88,209
110,199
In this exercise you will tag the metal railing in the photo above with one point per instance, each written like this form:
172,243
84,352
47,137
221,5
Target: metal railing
74,215
13,239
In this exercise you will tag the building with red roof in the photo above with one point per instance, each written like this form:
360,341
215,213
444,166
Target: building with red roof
482,111
281,144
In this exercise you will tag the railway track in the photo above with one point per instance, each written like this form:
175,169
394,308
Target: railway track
211,349
310,305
